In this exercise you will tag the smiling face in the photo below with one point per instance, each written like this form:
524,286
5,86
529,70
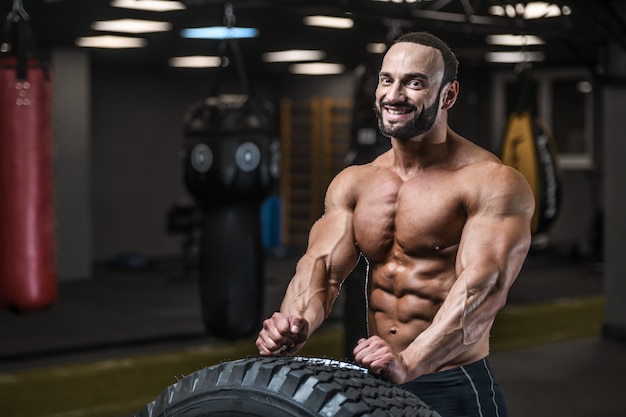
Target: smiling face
408,96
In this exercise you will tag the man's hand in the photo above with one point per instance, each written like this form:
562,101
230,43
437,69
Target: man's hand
282,334
375,354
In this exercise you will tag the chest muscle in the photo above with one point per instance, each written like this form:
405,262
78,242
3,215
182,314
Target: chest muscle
417,216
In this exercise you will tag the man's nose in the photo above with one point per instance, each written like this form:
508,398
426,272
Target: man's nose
395,92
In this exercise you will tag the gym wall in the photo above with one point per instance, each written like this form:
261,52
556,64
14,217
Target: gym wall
133,172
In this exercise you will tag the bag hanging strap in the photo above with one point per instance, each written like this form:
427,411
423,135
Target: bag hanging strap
229,43
16,38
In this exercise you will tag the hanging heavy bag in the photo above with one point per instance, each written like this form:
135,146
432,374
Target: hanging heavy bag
529,147
28,279
230,165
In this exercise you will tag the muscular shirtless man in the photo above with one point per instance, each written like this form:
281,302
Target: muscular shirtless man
445,228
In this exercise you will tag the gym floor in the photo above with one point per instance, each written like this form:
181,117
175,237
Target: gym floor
114,342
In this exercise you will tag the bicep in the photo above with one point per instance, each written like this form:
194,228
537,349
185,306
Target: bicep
493,249
496,237
494,244
331,238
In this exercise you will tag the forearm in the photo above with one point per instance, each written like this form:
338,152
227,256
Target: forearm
311,292
330,257
460,327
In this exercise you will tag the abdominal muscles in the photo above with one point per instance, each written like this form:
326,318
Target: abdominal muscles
405,294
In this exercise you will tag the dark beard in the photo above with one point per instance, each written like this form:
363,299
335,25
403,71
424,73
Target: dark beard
421,123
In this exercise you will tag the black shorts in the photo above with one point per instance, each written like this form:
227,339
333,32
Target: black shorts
467,391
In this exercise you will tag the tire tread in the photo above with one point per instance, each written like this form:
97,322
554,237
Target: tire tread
327,388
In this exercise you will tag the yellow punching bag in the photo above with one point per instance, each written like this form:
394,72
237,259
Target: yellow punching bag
529,147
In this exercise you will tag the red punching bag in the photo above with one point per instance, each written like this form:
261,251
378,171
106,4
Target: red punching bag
28,279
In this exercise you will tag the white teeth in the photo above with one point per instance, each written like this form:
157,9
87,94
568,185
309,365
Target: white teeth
398,111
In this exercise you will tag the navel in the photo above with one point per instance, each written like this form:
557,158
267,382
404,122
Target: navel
393,330
436,247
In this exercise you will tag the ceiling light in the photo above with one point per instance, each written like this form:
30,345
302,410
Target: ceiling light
195,61
131,26
514,57
514,40
511,11
329,22
540,9
531,10
149,5
294,55
220,32
316,68
376,47
112,42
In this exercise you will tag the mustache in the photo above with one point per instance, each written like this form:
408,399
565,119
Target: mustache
398,104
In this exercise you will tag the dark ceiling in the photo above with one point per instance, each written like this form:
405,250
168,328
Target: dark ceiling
577,39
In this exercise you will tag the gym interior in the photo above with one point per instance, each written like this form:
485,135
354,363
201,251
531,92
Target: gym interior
138,227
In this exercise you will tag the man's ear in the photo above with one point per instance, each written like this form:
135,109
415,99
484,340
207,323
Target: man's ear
451,92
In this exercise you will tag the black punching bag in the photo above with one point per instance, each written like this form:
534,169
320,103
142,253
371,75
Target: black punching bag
231,164
28,280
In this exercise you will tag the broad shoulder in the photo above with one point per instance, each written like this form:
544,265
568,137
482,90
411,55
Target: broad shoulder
355,181
342,190
491,184
488,173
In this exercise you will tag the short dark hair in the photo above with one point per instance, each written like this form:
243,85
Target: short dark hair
450,62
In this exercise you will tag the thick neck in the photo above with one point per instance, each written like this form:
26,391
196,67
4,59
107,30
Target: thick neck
419,154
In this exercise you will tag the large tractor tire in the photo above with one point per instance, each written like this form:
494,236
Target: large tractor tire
285,387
